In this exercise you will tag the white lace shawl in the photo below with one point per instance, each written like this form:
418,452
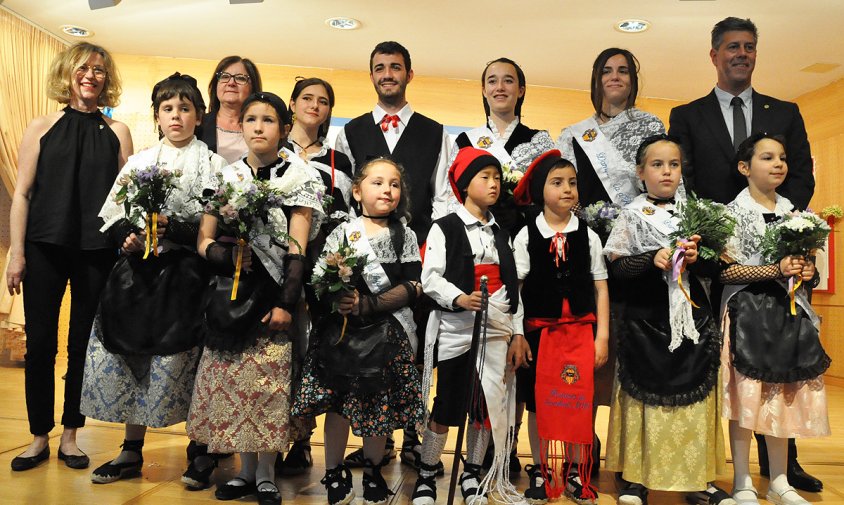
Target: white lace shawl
632,235
198,165
743,246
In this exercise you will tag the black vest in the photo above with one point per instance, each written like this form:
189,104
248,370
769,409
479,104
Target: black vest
547,285
418,151
460,263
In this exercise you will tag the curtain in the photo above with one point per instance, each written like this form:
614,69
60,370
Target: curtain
25,56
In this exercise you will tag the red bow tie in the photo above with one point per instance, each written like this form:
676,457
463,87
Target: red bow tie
389,121
558,247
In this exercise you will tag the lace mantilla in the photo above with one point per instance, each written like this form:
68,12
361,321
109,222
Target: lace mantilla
524,154
743,246
382,245
198,165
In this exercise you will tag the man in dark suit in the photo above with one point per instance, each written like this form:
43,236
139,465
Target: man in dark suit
706,126
711,129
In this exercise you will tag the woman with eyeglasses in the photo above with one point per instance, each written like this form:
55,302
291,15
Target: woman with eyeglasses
234,79
67,163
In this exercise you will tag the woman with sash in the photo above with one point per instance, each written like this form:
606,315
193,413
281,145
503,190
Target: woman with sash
504,135
602,148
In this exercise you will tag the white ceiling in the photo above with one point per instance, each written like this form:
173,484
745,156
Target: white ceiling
555,41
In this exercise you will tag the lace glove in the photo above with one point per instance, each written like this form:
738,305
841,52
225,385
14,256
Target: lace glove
735,273
182,233
219,255
391,300
295,266
631,267
118,232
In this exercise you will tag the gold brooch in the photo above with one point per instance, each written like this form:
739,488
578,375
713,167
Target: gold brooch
484,142
354,236
282,154
590,135
648,211
570,374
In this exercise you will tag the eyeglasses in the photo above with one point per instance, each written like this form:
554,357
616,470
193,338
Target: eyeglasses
225,77
99,72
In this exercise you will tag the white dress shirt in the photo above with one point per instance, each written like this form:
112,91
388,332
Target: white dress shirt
455,329
598,267
725,99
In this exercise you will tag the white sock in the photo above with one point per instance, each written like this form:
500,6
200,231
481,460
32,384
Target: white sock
265,470
777,463
740,448
248,464
433,445
476,443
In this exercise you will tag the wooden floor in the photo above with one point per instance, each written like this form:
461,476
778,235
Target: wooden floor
164,455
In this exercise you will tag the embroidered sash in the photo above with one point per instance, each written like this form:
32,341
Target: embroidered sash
608,163
376,278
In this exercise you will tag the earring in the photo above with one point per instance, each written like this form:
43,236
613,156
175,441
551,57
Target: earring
293,117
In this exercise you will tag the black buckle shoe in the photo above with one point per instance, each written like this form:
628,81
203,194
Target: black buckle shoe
269,495
229,491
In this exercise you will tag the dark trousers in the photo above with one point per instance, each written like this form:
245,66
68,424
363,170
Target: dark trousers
48,269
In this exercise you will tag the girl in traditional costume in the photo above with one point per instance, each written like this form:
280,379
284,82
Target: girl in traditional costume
142,356
380,308
772,362
664,429
241,400
566,305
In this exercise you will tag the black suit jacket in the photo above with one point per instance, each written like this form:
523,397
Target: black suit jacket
709,170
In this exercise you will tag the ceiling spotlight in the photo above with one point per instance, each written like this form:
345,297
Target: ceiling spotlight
245,1
632,25
341,23
76,31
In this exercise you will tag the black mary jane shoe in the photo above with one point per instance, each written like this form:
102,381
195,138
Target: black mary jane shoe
74,461
20,463
270,495
231,492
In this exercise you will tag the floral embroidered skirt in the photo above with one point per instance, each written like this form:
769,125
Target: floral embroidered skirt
790,410
666,448
369,415
152,391
241,401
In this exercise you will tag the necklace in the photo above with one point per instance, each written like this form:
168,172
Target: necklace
305,148
376,217
604,114
659,201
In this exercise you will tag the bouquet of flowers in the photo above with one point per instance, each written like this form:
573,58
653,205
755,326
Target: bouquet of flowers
797,234
342,267
710,220
600,216
510,178
143,193
244,208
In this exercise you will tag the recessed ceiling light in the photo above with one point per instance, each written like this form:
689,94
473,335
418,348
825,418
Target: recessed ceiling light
76,31
341,23
632,25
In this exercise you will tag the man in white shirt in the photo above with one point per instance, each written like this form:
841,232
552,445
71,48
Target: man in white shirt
393,129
